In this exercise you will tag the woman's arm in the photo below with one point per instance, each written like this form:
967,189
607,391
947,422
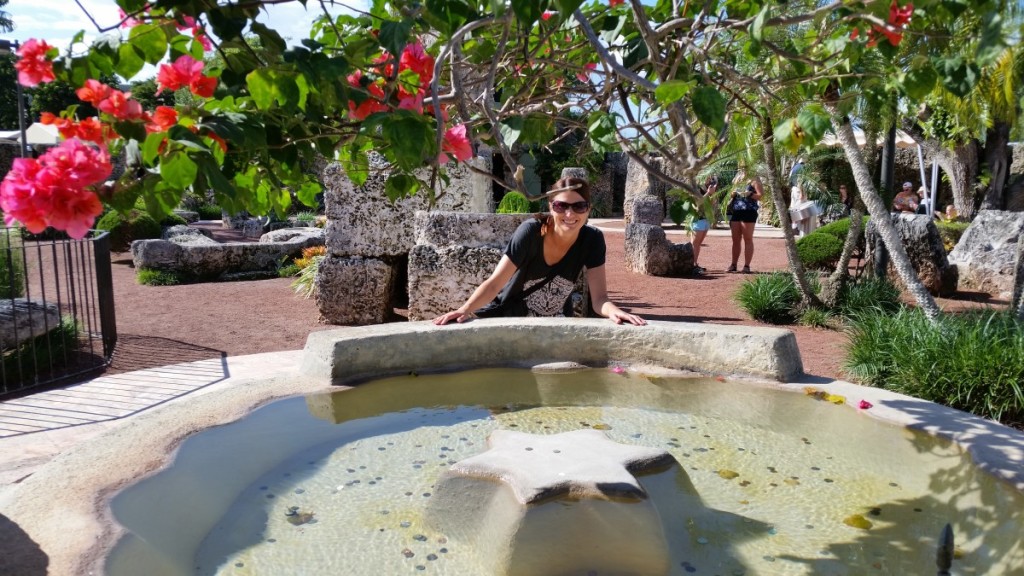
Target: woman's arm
758,188
600,303
483,294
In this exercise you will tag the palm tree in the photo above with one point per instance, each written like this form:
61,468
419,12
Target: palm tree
6,24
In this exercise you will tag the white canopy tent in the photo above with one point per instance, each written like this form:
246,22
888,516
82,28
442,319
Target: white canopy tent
36,134
903,140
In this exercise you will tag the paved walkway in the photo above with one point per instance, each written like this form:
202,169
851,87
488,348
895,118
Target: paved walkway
36,428
673,231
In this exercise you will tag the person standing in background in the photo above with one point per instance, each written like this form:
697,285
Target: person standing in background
701,225
743,212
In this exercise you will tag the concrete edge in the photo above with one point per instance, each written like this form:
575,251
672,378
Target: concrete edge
351,355
62,510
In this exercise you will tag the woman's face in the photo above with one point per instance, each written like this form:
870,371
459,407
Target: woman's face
569,211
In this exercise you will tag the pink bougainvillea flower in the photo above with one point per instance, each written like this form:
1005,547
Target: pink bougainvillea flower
414,103
900,17
93,92
894,36
201,37
120,105
51,191
415,58
92,130
163,118
864,405
370,105
614,3
130,21
617,369
547,15
34,65
455,143
19,199
203,86
584,76
74,211
173,76
65,126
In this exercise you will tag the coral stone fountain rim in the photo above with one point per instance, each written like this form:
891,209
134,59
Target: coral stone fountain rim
61,517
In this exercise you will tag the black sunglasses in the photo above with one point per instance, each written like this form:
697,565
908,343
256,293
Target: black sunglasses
577,207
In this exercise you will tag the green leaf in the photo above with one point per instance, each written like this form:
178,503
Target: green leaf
673,90
400,186
394,36
150,40
920,80
601,130
709,106
789,134
129,61
567,7
957,76
356,164
815,121
991,44
308,191
268,36
528,11
178,170
161,199
757,27
131,130
409,138
511,129
151,147
130,6
227,23
538,129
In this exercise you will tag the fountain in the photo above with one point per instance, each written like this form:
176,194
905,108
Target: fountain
733,477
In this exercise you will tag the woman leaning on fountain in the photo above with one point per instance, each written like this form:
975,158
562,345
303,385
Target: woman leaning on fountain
538,271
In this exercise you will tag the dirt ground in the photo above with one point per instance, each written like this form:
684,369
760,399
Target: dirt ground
160,325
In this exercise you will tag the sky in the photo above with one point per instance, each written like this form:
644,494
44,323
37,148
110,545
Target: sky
57,21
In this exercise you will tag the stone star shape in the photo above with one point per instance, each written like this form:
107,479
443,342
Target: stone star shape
578,464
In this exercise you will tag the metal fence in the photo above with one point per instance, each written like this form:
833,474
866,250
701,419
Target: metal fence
56,308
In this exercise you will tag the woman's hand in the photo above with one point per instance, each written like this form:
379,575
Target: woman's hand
456,315
618,316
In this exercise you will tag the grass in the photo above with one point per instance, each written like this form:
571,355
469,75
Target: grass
972,361
305,283
150,277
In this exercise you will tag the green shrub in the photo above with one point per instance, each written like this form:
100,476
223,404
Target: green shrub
12,265
150,277
817,318
209,212
821,251
288,270
972,361
173,219
514,202
126,227
769,298
869,294
950,231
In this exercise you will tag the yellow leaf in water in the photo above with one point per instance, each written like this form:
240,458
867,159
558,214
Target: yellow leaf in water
836,399
811,391
792,481
601,427
958,552
728,474
858,521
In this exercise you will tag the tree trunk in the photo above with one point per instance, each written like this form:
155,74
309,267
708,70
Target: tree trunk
880,213
1018,282
833,287
960,164
996,143
776,185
